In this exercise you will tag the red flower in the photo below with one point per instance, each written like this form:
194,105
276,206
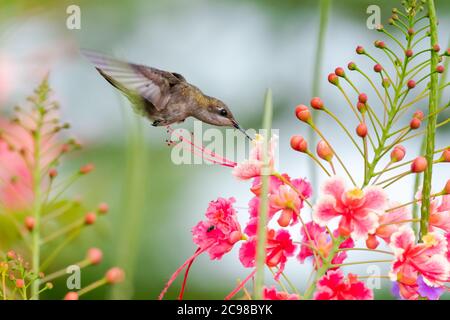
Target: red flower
279,248
333,286
273,294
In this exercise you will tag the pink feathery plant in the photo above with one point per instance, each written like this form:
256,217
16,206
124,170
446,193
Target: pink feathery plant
279,228
32,197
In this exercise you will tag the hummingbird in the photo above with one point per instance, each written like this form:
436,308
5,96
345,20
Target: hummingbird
161,96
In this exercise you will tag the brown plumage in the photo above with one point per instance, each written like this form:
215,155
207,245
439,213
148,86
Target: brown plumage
161,96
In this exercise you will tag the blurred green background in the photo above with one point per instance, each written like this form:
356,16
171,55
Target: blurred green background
232,49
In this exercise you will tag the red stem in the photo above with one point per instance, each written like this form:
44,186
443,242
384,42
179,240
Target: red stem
240,286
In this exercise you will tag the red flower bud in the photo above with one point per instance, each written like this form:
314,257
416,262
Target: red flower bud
352,66
303,114
86,168
410,31
409,53
440,68
362,98
419,164
90,218
386,83
52,173
317,103
94,255
115,275
29,222
372,242
299,144
333,79
380,44
436,48
398,153
344,231
415,123
71,296
324,151
360,50
411,84
11,255
339,72
447,52
361,130
377,68
361,107
446,155
103,208
20,283
418,114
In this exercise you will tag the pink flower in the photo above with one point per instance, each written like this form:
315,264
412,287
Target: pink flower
440,214
251,168
389,223
273,294
288,201
220,231
358,209
319,238
428,259
279,248
333,286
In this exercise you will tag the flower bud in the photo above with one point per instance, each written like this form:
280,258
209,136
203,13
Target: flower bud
352,66
29,222
333,79
360,50
386,83
103,208
446,155
409,53
447,53
436,48
372,242
11,255
71,296
380,44
86,168
340,72
303,114
398,153
361,130
440,68
410,31
115,275
419,115
361,107
94,256
377,68
324,151
299,144
411,84
317,103
419,164
52,173
415,123
90,218
362,98
20,283
344,231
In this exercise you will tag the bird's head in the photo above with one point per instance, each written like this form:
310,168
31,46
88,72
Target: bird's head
217,113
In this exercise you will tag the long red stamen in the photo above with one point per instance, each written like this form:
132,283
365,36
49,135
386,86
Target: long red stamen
186,274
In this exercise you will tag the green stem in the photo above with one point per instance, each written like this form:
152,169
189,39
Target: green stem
325,6
431,126
264,201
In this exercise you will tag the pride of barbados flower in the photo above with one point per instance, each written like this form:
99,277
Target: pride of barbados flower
358,209
428,260
218,234
252,167
273,294
334,286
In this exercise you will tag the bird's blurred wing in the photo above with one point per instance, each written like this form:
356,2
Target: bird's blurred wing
135,80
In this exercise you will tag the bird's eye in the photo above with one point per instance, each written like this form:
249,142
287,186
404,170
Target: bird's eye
223,112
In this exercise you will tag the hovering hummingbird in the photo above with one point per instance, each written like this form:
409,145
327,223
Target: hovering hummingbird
161,96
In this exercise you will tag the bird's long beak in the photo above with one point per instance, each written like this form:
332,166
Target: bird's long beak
236,125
